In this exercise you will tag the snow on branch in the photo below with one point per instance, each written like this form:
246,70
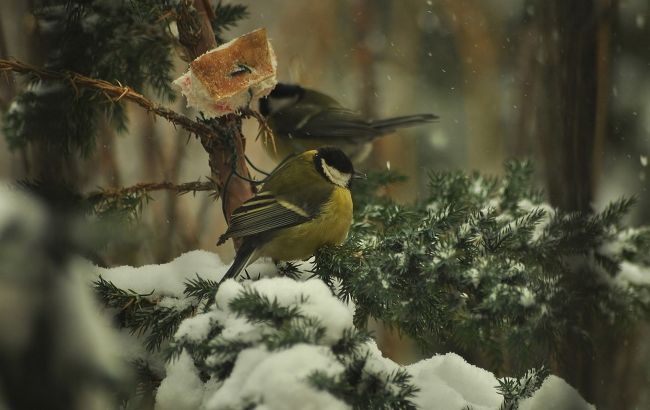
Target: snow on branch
283,343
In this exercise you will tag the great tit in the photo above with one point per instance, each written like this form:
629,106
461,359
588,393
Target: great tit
303,119
304,204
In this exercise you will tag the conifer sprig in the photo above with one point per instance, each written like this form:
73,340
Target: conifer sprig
515,389
143,315
226,16
484,264
105,40
113,93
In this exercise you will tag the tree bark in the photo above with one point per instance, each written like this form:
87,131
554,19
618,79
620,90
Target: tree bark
571,119
198,39
572,62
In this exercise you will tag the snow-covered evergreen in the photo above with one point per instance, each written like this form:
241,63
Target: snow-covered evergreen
283,343
483,267
481,272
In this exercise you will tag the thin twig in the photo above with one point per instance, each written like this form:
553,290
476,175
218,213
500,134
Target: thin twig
114,93
264,130
180,189
250,163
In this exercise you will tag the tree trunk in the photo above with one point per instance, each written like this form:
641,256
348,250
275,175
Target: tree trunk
572,62
570,119
233,190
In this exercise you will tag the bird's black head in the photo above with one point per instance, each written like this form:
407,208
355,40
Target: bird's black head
334,165
283,90
281,96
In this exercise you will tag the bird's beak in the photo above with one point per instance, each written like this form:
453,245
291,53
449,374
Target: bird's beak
358,175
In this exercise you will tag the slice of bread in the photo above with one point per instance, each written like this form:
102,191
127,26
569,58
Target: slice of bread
231,76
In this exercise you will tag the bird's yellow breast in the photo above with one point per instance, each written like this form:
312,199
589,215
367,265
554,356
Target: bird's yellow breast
331,226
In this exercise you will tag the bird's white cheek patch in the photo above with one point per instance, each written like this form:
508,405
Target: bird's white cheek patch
337,177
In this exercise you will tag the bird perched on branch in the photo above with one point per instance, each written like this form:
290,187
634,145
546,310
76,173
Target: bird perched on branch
303,119
304,204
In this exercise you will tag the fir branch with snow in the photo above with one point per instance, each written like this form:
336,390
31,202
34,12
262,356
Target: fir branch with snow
483,266
481,269
288,343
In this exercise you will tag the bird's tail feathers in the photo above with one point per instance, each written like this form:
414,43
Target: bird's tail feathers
391,124
244,256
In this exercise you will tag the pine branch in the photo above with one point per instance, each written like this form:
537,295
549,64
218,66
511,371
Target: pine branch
515,389
161,322
364,389
484,265
349,343
180,189
307,330
219,357
141,315
616,210
226,16
289,269
113,93
201,289
282,325
117,298
259,308
147,382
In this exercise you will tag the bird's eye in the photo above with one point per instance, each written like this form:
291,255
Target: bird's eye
241,69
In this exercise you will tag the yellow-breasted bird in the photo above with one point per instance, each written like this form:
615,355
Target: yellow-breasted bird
304,204
303,119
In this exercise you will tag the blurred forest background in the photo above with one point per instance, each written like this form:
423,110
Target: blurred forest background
566,84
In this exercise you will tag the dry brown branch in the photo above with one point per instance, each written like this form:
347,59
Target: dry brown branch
179,189
112,92
8,90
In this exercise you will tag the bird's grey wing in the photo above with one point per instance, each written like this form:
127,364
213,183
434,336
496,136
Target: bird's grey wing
264,213
303,121
335,122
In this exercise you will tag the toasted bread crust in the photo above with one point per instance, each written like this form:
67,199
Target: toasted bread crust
217,69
